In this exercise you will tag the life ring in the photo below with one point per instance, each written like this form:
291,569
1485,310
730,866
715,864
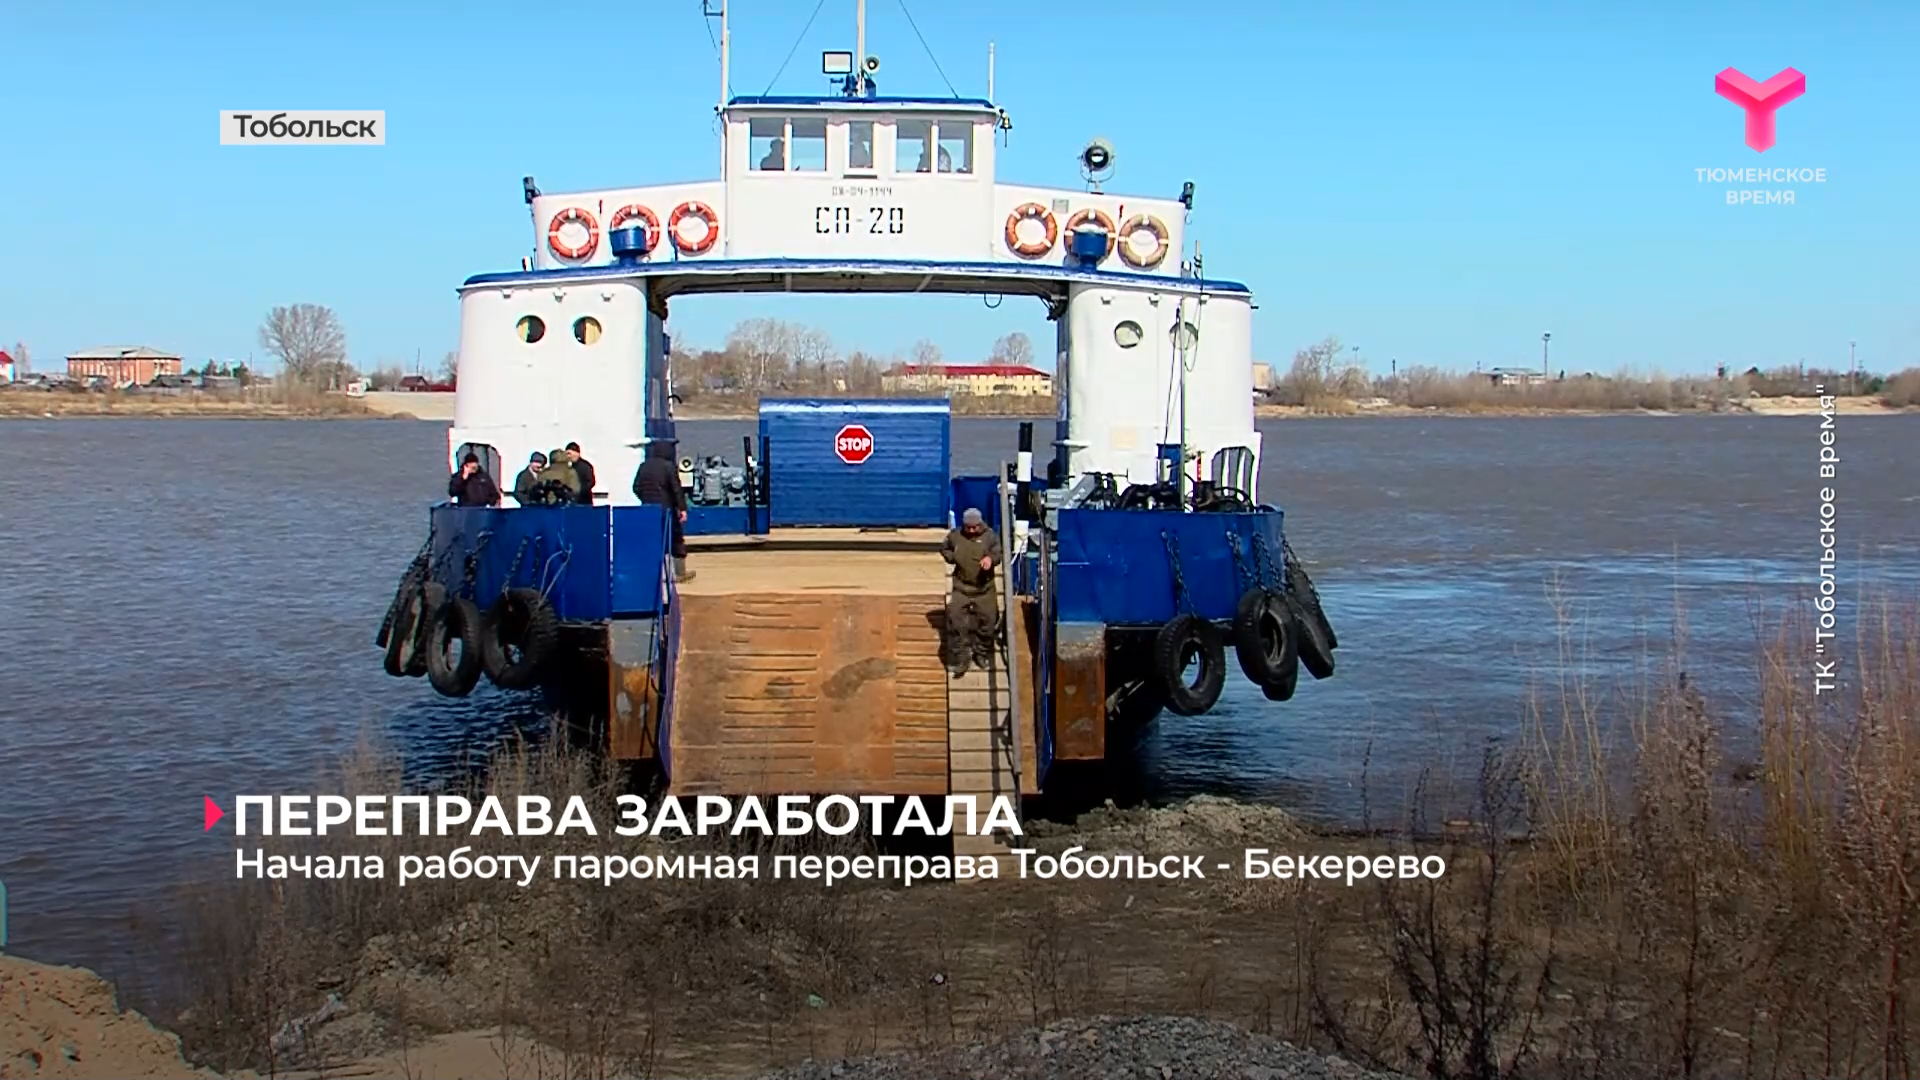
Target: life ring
1032,211
1149,224
518,635
1098,217
702,211
630,212
1183,640
1266,639
569,216
455,623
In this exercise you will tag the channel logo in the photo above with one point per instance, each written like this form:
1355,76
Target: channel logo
1760,100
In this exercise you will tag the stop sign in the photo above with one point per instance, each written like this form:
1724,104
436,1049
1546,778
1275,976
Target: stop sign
854,444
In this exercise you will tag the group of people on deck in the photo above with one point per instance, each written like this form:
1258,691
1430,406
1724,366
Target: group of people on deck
972,549
565,477
557,480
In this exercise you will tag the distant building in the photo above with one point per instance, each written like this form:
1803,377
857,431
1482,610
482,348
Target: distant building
1262,376
970,380
1509,376
129,366
6,367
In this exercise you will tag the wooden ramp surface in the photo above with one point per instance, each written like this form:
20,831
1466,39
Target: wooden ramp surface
810,671
818,669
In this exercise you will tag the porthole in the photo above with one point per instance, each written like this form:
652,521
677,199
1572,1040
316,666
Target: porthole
1185,335
532,328
586,329
1128,334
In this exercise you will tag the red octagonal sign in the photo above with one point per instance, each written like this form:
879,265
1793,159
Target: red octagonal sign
854,444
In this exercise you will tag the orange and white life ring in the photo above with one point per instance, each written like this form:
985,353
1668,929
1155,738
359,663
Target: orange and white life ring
573,215
702,211
633,212
1153,226
1032,211
1081,218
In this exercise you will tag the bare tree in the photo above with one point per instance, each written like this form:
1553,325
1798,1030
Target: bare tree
450,367
308,342
1015,349
22,363
765,348
927,354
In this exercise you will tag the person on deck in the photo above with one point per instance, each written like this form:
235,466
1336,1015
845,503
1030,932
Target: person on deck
585,470
559,482
471,486
658,484
529,479
973,613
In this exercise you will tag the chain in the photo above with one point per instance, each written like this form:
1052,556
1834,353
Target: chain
1263,563
1182,599
514,568
1240,573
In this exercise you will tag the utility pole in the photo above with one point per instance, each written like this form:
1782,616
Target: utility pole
1851,368
1543,357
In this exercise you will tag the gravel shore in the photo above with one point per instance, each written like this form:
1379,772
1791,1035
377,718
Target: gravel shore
1103,1048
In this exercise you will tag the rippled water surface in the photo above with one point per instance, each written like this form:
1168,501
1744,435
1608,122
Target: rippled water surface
189,606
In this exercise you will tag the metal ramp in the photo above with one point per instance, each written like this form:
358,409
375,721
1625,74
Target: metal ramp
982,757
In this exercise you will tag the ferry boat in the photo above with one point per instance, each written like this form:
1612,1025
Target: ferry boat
805,654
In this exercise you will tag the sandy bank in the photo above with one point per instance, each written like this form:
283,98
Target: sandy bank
67,1022
29,405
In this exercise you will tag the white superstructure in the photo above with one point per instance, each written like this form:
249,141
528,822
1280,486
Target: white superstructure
855,194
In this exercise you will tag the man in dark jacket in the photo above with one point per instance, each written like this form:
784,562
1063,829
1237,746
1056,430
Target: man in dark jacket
585,469
973,610
658,484
471,486
529,479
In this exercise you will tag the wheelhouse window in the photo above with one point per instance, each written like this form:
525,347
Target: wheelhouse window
913,146
956,146
860,145
808,144
767,143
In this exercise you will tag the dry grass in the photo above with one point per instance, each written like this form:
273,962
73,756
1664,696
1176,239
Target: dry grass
269,403
1622,897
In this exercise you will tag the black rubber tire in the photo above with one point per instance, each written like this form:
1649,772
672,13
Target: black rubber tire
455,622
1283,690
1301,587
409,582
1190,637
408,629
432,595
518,635
1316,652
1265,639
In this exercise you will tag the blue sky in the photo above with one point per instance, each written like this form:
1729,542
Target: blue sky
1436,183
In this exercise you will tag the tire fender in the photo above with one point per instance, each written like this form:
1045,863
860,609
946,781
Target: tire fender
518,635
1186,638
1266,639
455,621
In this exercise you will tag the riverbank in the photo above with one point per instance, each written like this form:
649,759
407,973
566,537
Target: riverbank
1777,406
32,405
1748,895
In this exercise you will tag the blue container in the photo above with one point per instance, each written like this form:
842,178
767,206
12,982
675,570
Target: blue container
857,463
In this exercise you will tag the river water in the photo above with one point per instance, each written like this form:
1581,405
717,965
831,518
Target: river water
189,609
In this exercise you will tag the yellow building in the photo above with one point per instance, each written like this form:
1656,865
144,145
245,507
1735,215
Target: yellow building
970,380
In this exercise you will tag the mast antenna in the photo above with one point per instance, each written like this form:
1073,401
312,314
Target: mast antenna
860,48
